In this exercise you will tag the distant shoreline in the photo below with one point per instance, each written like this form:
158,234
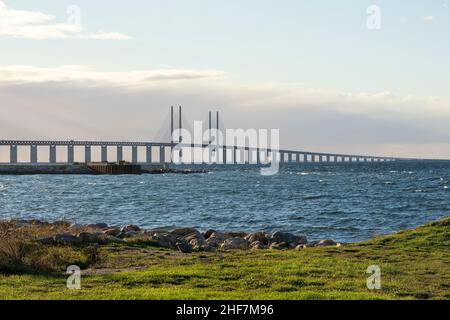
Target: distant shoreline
77,169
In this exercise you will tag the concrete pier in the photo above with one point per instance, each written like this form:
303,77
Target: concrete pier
149,153
70,154
87,154
134,154
52,156
33,154
104,154
119,153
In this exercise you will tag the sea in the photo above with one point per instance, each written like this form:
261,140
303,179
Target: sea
343,202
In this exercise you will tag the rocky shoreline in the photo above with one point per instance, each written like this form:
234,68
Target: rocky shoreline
185,240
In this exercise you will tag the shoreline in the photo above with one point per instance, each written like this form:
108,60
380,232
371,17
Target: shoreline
414,264
184,239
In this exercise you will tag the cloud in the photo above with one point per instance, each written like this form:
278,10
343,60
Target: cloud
428,19
77,102
83,75
40,26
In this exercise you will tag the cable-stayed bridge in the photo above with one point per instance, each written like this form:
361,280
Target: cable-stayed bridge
163,152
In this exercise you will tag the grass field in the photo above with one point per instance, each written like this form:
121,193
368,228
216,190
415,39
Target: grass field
414,264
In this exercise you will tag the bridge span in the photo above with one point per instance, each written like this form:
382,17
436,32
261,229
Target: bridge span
226,154
166,152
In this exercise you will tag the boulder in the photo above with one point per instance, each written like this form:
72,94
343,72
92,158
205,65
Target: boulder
165,240
128,234
62,223
184,247
76,226
194,236
113,231
234,244
279,246
235,234
258,245
131,227
209,233
301,247
257,236
292,240
204,248
215,239
66,239
97,226
197,242
183,232
86,237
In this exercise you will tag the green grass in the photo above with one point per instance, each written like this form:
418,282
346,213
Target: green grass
414,264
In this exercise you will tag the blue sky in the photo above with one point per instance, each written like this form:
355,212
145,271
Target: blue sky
317,57
320,43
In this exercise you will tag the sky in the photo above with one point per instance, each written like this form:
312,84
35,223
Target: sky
366,77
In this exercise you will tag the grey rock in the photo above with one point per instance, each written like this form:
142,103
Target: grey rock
234,244
76,226
128,234
279,246
165,240
183,247
216,239
67,239
207,248
235,234
183,232
62,223
292,240
97,225
113,231
209,233
258,245
130,228
197,242
86,237
257,236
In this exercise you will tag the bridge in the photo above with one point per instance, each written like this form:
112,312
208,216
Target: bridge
165,151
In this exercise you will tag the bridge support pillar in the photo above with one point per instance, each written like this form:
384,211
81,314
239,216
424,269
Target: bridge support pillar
224,154
149,153
87,154
328,158
119,153
235,149
162,154
52,156
134,154
258,156
104,153
33,154
70,154
13,154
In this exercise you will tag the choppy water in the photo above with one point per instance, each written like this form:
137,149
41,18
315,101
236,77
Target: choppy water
344,202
